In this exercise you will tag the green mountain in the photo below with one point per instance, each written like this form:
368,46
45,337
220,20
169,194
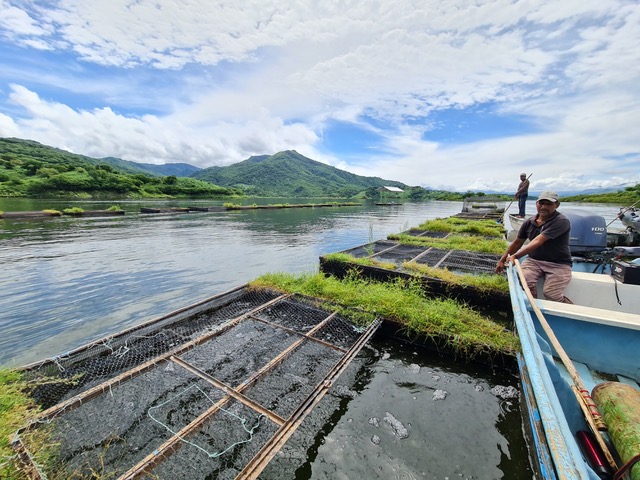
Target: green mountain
289,174
31,169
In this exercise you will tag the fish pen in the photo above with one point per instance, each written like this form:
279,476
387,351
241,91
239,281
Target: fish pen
397,253
211,391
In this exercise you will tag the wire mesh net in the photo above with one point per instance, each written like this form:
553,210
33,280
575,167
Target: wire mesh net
463,261
400,253
63,377
472,262
223,378
370,248
416,232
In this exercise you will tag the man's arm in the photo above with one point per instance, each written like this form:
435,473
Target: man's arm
513,248
514,251
528,248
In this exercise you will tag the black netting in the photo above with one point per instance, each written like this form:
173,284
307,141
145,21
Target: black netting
471,262
370,248
175,416
294,379
400,254
66,376
294,315
432,257
415,232
339,331
221,448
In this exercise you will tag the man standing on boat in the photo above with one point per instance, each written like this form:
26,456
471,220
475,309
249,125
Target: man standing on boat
548,250
522,194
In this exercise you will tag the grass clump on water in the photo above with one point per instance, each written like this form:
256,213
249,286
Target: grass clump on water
486,228
444,320
365,261
483,282
456,241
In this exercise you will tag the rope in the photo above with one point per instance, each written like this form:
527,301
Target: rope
243,422
626,467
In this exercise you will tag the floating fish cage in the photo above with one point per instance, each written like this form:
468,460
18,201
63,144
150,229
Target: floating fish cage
459,261
211,391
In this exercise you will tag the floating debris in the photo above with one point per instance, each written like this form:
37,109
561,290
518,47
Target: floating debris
343,391
375,421
504,392
399,430
414,368
375,440
440,395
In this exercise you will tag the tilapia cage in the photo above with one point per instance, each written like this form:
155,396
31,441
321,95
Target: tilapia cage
464,261
210,391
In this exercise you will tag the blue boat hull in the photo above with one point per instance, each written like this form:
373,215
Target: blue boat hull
608,345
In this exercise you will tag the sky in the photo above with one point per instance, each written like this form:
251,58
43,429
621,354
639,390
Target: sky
447,94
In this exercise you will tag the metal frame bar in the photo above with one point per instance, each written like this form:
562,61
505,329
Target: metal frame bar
228,390
295,332
420,255
96,391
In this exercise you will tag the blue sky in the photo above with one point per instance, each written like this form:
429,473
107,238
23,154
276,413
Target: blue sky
452,94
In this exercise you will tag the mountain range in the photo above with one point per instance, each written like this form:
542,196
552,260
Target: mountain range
284,174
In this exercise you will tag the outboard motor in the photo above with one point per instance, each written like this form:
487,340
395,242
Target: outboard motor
588,232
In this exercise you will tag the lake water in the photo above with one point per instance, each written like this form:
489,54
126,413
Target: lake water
66,281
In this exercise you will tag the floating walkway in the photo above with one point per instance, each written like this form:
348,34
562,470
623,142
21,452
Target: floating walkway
57,214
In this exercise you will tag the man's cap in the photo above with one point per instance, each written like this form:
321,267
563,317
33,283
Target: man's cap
549,195
523,174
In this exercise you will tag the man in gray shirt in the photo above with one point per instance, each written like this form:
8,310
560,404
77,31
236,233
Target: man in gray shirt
548,250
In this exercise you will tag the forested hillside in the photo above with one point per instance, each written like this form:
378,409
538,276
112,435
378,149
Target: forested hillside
28,168
289,174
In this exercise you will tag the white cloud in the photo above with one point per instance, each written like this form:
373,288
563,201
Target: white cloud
213,83
150,139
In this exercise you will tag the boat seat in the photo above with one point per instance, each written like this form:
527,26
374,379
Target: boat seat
590,314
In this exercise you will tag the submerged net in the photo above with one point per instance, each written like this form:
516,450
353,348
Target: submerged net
197,394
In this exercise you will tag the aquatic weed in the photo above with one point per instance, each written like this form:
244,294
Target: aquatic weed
404,302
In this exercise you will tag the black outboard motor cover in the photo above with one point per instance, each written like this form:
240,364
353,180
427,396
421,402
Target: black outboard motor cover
588,232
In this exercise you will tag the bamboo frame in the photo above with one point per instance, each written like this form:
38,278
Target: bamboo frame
253,469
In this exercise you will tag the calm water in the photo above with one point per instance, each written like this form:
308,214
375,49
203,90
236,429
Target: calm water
68,280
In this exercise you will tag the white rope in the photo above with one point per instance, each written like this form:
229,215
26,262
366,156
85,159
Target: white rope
243,421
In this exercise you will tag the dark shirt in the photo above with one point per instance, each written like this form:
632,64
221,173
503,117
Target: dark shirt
523,189
558,230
